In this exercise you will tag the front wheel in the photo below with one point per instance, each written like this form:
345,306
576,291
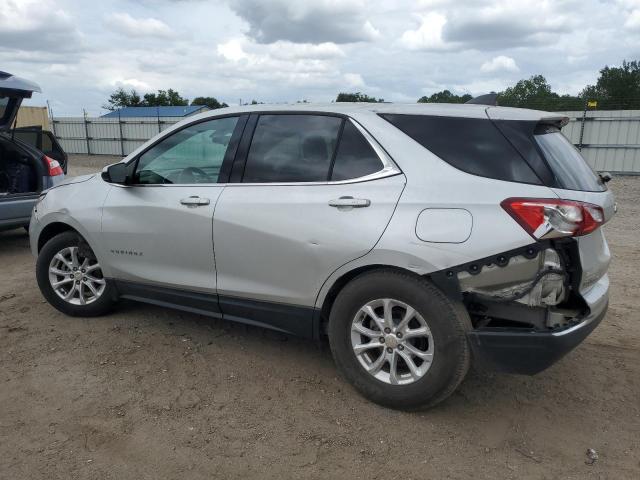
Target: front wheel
399,340
71,279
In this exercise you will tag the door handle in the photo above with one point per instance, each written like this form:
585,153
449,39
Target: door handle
350,202
194,201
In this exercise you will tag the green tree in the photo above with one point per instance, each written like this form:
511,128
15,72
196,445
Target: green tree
164,98
210,102
535,92
445,96
357,97
122,98
616,87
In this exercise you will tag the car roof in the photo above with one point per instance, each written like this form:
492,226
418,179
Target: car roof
434,109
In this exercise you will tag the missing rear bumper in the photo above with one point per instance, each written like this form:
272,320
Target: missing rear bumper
528,351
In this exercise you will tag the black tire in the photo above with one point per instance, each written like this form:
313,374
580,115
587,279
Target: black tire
448,321
100,306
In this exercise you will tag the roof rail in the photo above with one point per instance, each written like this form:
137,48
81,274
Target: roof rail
486,99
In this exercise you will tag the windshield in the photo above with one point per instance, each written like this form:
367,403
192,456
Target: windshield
571,170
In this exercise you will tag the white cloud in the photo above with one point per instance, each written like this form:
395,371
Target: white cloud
633,20
37,26
131,83
286,50
282,62
138,27
487,25
292,51
337,21
354,80
501,63
428,36
232,50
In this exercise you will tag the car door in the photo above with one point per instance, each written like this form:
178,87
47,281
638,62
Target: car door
314,194
157,230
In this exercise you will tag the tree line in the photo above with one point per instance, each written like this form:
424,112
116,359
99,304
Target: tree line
616,88
163,98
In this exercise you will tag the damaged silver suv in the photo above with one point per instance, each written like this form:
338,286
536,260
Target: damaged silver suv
417,238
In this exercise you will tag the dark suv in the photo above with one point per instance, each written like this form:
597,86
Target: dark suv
31,159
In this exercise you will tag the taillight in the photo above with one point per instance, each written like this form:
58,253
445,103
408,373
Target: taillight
553,218
53,166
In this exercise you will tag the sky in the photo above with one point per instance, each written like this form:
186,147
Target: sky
286,50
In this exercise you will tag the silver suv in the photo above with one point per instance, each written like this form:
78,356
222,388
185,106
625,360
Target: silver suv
418,238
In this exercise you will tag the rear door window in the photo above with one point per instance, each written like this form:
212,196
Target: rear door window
292,148
567,164
355,157
472,145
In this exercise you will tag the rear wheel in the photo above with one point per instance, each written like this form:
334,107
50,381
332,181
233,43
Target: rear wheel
399,340
70,277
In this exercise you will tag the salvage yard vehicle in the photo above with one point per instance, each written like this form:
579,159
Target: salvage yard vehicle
418,238
31,160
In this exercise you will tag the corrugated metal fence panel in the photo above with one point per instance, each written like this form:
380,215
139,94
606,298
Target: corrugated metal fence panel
70,133
108,136
611,139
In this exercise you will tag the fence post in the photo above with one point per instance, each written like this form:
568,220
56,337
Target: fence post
584,119
121,136
53,122
86,131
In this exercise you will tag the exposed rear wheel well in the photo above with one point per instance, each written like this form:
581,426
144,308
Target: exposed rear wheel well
51,231
341,282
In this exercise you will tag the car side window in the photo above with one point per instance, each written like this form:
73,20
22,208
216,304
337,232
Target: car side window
191,155
355,157
292,148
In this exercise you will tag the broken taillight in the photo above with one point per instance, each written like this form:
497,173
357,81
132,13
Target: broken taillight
554,218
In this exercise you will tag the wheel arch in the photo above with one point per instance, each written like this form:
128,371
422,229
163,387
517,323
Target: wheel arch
337,286
53,229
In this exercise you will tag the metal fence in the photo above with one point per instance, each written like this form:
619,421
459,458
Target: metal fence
107,136
609,140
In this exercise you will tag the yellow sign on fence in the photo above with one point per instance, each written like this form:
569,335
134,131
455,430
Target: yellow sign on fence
592,103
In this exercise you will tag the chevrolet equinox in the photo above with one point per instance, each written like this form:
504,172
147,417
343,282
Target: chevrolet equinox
418,238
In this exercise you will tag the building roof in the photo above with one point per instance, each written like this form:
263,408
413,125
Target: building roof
175,111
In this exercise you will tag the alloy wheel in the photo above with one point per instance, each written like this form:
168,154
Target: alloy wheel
392,341
76,279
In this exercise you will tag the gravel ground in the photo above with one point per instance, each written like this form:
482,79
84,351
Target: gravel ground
149,393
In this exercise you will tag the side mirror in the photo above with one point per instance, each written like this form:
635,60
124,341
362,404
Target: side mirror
117,173
605,177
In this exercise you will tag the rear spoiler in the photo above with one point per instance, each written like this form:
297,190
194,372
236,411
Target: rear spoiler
558,121
487,99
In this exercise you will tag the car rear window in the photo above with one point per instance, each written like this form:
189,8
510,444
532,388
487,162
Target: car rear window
567,164
472,145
